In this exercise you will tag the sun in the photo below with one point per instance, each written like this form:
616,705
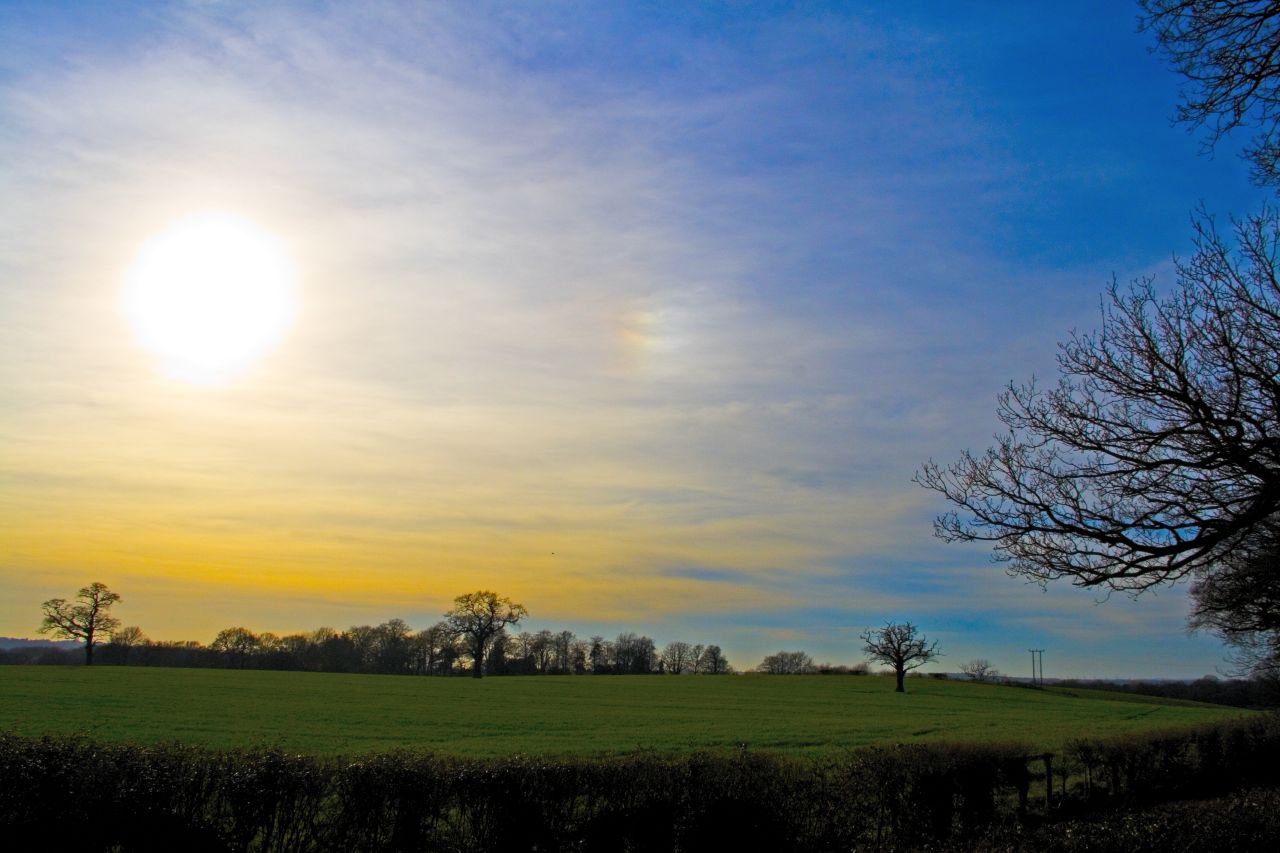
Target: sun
210,295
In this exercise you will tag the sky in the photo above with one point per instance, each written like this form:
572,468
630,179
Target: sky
641,314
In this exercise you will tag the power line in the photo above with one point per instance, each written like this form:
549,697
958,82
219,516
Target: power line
1034,680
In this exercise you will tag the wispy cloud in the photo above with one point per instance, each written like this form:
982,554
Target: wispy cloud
639,316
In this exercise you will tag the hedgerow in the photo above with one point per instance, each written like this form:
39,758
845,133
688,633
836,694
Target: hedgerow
123,797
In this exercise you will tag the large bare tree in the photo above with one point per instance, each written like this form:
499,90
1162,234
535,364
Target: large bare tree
1157,455
85,619
478,617
1158,451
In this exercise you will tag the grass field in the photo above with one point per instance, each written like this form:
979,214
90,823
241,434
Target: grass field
322,713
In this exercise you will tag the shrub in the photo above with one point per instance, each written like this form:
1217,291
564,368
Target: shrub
1206,759
129,797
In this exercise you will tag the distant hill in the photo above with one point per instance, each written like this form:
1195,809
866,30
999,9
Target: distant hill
16,643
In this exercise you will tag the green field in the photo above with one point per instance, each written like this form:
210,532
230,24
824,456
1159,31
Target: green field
322,713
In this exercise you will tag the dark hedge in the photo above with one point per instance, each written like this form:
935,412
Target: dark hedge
75,794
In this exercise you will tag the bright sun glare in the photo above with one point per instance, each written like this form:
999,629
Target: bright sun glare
210,295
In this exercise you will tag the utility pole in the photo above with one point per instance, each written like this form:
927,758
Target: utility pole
1034,681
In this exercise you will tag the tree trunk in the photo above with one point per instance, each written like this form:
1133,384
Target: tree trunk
900,673
88,653
477,670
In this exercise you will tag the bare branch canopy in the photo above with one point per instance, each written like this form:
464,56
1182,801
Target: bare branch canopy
85,619
1226,53
900,646
479,617
1158,451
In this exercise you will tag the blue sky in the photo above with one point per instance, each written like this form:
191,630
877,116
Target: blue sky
643,314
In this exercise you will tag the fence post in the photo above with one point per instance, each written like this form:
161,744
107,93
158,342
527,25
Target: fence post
1048,780
1022,780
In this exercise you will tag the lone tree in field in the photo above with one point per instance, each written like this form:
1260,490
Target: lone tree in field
84,619
897,645
477,617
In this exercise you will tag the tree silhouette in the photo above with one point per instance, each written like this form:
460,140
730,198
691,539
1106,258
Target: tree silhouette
980,669
83,619
897,645
1240,600
787,663
712,661
1158,452
237,644
1226,52
678,656
478,617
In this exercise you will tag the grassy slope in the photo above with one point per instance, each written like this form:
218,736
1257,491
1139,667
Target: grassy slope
330,713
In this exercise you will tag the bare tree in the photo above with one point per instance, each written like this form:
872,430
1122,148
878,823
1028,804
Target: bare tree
495,662
364,644
128,637
477,617
712,662
297,650
123,645
600,655
1158,452
1240,600
429,648
84,619
677,657
269,642
391,650
563,645
787,663
579,654
544,650
980,669
897,645
634,654
237,644
1226,51
335,651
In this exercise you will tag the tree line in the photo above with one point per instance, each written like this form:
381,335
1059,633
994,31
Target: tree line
472,639
393,647
449,646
